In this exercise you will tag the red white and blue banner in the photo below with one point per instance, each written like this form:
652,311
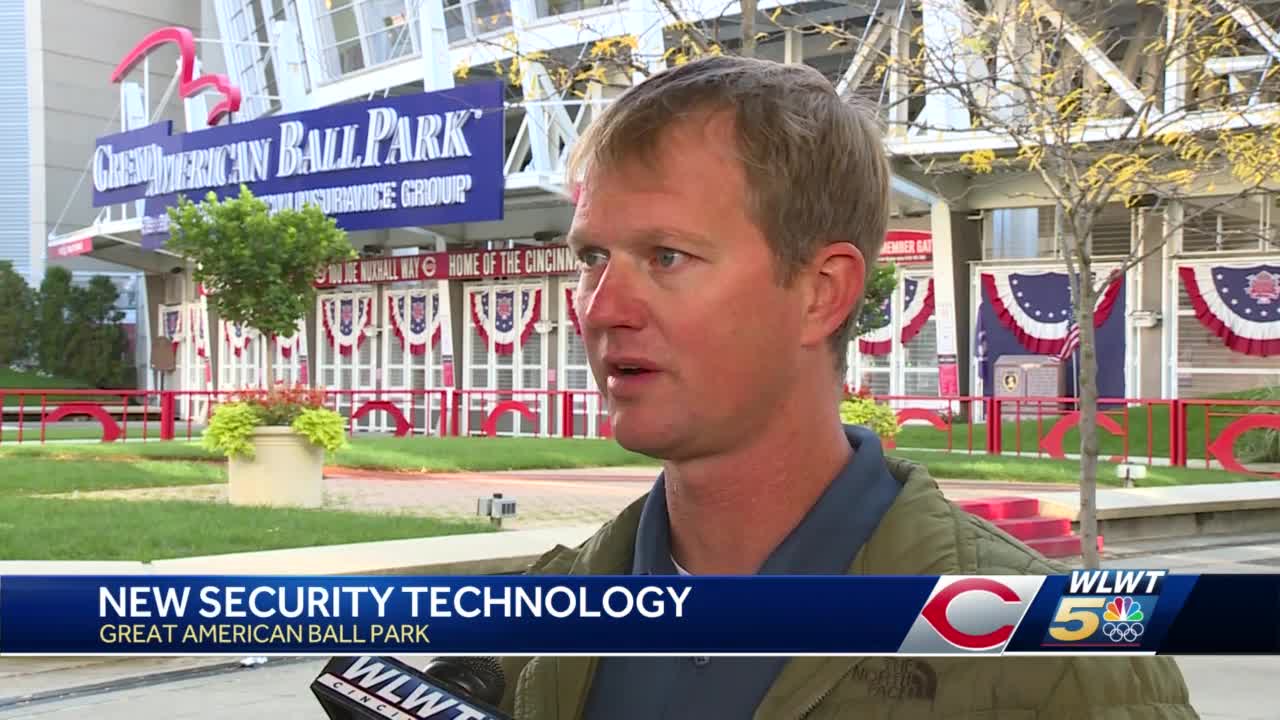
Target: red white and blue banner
1088,612
571,308
506,324
1030,313
1240,304
289,345
415,319
237,336
171,324
344,320
917,308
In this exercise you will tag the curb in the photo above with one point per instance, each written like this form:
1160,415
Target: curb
137,681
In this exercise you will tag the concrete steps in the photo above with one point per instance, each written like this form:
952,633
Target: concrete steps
1021,518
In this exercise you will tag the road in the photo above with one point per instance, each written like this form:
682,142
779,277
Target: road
1235,688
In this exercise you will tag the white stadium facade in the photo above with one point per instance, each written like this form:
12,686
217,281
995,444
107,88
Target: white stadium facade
478,304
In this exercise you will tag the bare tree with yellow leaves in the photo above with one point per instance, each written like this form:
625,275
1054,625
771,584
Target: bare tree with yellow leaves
1142,103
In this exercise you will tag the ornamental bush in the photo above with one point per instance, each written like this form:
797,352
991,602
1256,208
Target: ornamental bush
232,423
862,409
17,321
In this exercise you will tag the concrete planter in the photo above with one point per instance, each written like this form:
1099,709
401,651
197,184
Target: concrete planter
287,471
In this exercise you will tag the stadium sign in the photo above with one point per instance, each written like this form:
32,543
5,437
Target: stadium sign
452,265
428,158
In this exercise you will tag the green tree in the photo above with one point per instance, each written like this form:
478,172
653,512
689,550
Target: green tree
53,334
97,354
17,309
258,266
880,284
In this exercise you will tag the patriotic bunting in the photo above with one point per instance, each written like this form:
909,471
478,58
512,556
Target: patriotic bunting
291,343
917,308
1036,307
419,327
171,322
880,340
344,320
237,336
508,329
1240,305
573,311
198,332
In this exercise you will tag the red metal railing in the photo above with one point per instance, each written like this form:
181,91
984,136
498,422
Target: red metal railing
1133,430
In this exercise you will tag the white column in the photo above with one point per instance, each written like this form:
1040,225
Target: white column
311,48
792,47
1173,218
133,115
944,293
433,38
946,25
291,80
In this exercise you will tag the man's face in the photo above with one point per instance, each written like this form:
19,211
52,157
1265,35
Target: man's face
689,335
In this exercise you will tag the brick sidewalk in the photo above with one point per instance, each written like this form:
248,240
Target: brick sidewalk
544,498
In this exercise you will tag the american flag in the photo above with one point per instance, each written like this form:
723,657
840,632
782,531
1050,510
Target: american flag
1070,343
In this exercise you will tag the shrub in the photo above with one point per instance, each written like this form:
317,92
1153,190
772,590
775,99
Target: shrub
862,409
17,308
77,330
299,407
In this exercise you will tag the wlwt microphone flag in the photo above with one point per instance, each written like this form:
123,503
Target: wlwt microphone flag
1086,612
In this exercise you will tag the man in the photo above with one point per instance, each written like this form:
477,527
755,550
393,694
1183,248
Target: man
727,212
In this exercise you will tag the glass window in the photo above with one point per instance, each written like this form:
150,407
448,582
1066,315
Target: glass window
340,36
547,8
388,30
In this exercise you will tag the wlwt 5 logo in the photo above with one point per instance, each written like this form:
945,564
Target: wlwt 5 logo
971,615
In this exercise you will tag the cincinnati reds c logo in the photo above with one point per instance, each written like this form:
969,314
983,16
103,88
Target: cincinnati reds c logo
935,613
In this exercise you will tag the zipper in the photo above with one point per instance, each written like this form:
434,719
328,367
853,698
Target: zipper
831,687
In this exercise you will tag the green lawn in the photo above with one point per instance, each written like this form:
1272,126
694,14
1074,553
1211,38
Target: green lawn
14,379
959,466
1147,430
483,454
30,475
489,454
376,452
33,527
10,378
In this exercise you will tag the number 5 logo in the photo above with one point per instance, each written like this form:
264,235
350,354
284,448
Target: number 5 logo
1086,611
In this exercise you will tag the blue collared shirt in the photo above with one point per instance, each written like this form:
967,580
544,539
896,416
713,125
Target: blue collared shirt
825,542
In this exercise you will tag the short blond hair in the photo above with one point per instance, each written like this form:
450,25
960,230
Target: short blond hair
815,164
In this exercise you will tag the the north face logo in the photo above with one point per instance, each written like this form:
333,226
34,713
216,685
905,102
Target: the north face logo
898,679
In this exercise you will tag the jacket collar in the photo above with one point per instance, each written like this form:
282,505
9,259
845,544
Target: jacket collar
898,547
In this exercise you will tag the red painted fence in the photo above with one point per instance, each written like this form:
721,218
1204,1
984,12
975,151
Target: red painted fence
1189,433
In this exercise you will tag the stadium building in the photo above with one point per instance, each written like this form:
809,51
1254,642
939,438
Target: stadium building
476,302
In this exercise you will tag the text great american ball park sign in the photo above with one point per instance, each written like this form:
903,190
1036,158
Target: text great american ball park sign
424,159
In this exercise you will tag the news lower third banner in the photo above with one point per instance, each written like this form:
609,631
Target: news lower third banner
1112,611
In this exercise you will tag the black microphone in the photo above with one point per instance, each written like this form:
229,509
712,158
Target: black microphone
449,688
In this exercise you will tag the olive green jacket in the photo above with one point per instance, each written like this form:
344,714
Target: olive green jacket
921,534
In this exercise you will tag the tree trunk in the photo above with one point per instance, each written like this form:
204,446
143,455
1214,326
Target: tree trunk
1088,378
269,373
748,28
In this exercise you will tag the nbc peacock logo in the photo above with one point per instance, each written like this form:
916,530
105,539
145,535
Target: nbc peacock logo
1122,620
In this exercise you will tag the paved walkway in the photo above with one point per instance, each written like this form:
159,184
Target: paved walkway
554,498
